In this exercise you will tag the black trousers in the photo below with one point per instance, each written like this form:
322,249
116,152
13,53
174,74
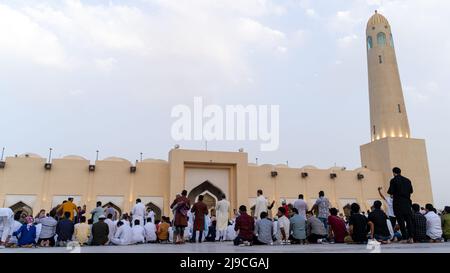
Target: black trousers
194,236
408,229
312,238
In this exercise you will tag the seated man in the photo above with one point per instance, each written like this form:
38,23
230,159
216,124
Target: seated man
82,231
123,234
150,231
358,227
65,229
298,228
434,227
100,232
420,225
337,229
283,226
378,224
163,230
26,233
138,233
316,231
263,230
244,226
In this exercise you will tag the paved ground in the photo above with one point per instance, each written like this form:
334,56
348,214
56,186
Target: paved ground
227,247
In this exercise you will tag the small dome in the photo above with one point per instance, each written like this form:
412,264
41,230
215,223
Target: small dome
30,155
377,19
74,157
281,166
113,158
252,164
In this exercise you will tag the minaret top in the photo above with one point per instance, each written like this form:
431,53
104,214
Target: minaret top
377,19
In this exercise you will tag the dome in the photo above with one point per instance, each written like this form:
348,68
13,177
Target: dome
377,19
31,155
74,157
118,159
309,167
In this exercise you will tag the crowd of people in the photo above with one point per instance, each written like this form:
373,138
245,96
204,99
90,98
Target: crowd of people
294,223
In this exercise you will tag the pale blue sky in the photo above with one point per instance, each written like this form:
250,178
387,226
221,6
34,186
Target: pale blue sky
85,75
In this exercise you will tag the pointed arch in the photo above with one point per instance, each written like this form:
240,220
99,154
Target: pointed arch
381,39
205,187
115,207
156,210
22,208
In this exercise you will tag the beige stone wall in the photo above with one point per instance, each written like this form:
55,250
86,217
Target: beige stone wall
158,181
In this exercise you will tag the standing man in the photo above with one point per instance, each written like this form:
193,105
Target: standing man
390,208
401,189
322,206
139,212
151,215
200,210
181,206
70,207
97,212
262,204
301,206
222,211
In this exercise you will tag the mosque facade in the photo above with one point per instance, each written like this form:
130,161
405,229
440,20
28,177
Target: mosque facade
29,183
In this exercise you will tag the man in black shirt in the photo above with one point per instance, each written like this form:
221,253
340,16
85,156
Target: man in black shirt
401,189
357,225
378,224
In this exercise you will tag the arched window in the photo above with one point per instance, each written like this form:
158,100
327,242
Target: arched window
381,39
391,41
369,42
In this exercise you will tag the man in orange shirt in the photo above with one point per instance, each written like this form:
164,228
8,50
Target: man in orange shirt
70,207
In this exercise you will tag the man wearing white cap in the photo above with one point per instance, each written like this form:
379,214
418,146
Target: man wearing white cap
6,225
139,212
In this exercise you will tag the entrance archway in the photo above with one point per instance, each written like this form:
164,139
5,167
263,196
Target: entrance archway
117,210
211,194
155,209
21,208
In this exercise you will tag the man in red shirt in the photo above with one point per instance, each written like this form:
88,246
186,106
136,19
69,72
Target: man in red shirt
245,225
337,230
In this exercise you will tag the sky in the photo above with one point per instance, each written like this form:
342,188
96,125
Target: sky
81,76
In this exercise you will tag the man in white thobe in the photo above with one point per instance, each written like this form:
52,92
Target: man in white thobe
6,225
123,235
222,212
151,214
139,212
261,204
112,226
138,233
150,231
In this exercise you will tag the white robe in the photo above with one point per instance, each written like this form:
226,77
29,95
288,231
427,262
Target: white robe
151,214
150,232
260,206
222,212
138,213
17,225
6,223
138,234
231,233
123,235
171,234
112,225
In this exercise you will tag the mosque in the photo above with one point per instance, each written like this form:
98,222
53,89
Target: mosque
29,182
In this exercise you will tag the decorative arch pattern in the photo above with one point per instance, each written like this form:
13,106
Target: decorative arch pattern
22,208
204,187
156,210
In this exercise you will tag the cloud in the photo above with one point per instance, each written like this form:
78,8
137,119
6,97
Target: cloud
21,37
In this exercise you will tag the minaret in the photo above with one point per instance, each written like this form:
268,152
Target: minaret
391,144
388,116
